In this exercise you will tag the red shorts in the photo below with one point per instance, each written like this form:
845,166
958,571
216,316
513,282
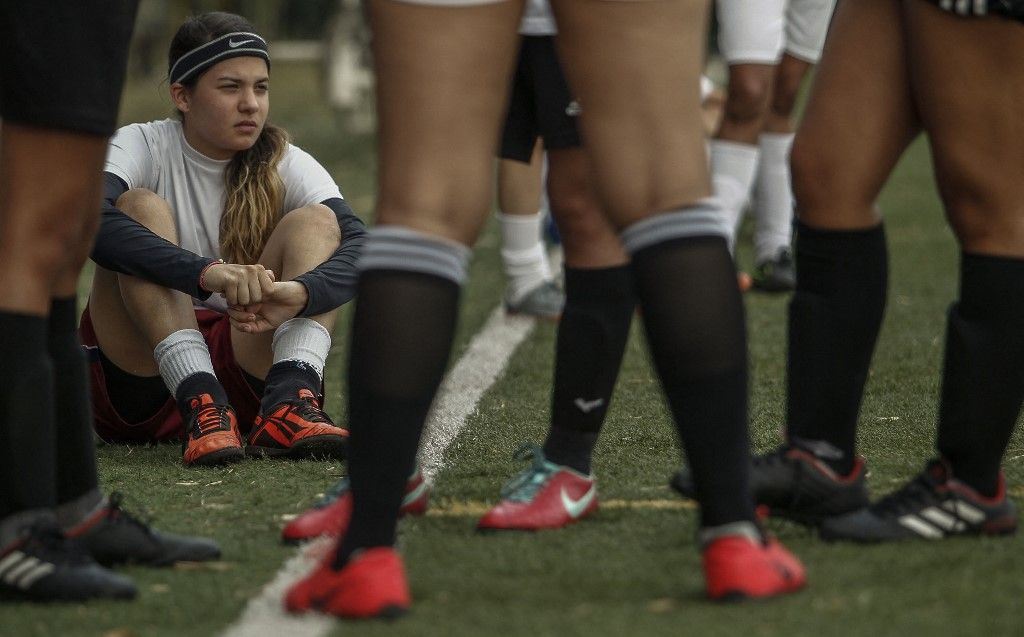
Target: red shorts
166,423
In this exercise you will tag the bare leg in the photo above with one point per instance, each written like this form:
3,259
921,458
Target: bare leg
969,106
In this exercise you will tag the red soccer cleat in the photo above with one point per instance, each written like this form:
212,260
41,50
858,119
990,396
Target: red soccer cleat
331,514
545,495
297,428
372,584
737,567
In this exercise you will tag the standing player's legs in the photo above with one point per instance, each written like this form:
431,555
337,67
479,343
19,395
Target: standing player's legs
594,326
443,75
836,310
52,145
750,38
806,25
531,288
968,107
641,121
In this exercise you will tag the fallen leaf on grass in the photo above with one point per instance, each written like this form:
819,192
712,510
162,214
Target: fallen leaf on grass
188,483
160,588
661,605
119,632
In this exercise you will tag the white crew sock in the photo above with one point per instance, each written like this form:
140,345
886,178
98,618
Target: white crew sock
774,229
733,167
302,339
523,253
181,355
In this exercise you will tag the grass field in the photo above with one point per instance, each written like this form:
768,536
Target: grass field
631,570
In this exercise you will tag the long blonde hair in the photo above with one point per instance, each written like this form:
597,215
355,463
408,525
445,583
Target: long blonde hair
255,197
255,192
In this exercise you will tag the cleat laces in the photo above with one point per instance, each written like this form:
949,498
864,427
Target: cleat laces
212,418
525,484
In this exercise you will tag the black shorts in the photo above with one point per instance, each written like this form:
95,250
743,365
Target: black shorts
62,63
541,104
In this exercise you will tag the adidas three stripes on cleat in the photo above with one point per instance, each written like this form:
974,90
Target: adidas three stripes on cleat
934,505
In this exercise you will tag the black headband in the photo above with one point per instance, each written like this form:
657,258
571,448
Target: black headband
206,55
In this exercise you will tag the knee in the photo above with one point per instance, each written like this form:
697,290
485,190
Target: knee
312,226
787,86
151,210
748,97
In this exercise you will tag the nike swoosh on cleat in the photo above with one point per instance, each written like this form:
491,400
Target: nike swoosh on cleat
235,45
575,508
587,406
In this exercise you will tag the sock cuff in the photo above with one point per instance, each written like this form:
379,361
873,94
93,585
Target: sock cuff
302,339
703,219
180,355
992,286
521,220
615,282
534,254
723,148
407,250
773,142
839,244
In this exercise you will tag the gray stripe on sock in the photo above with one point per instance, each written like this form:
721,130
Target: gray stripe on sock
702,219
395,248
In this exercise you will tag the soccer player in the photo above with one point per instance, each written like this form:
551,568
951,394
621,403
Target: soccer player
208,217
769,45
898,69
62,67
443,76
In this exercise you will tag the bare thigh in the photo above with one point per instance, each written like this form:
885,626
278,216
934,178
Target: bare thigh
635,67
969,86
859,118
443,77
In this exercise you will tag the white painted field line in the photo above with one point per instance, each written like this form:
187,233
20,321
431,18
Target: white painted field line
485,358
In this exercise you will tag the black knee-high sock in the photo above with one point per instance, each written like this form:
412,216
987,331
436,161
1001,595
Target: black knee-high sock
592,334
401,339
27,433
834,318
694,319
285,379
76,453
983,373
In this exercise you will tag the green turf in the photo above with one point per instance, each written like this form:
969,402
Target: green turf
626,571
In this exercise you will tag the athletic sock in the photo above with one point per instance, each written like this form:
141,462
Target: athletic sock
134,398
77,482
592,335
402,335
27,432
523,254
733,168
834,318
983,374
693,316
774,228
185,365
300,349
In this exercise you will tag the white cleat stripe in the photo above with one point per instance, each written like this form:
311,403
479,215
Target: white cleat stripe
940,518
30,578
12,558
919,526
965,511
26,564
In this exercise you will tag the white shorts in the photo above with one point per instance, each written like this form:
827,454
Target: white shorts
758,31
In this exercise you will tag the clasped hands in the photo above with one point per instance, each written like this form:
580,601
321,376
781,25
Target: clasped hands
257,301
